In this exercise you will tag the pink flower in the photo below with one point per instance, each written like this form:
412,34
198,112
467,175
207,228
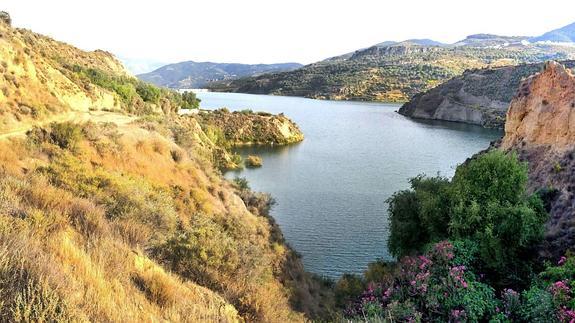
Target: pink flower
561,261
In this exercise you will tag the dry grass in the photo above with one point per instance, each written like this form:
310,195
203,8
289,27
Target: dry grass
96,224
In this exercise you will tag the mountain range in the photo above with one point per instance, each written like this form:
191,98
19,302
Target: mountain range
188,75
396,71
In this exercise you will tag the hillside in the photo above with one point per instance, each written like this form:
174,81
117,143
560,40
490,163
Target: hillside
194,75
396,71
112,208
479,96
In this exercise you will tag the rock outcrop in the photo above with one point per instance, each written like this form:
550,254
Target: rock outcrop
543,111
245,128
540,127
479,96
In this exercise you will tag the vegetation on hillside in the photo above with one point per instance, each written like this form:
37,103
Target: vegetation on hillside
126,218
136,96
141,224
466,252
42,79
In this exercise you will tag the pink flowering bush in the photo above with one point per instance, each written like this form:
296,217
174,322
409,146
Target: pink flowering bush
432,286
440,285
551,297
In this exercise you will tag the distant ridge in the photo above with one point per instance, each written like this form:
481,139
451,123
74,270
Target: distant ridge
192,74
561,35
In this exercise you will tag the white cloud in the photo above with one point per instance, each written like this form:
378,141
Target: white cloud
266,31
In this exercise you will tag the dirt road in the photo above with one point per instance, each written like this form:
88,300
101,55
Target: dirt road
73,116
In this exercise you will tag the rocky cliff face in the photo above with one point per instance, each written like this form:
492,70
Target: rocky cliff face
543,111
479,96
540,127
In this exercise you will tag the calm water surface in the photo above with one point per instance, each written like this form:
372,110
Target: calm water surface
331,188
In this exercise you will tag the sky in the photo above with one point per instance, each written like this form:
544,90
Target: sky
273,31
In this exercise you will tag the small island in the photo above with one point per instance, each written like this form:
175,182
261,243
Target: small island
253,161
247,128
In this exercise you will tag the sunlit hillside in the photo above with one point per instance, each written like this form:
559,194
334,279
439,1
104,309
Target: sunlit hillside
112,207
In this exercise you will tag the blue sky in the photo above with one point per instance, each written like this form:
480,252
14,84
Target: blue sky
269,31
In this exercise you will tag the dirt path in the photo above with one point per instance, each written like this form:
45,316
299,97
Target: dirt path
73,116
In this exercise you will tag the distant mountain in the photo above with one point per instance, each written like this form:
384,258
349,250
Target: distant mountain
197,75
420,42
562,35
489,40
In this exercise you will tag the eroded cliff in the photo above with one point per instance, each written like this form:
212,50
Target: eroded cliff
540,127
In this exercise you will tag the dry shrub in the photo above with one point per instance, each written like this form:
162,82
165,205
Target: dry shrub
88,218
177,155
156,287
94,210
37,302
133,232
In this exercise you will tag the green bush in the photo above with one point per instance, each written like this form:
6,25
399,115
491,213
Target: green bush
418,216
347,288
490,205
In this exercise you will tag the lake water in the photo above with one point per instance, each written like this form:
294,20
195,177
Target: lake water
332,187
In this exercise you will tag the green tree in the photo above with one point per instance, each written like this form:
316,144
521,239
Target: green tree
418,216
148,92
491,206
